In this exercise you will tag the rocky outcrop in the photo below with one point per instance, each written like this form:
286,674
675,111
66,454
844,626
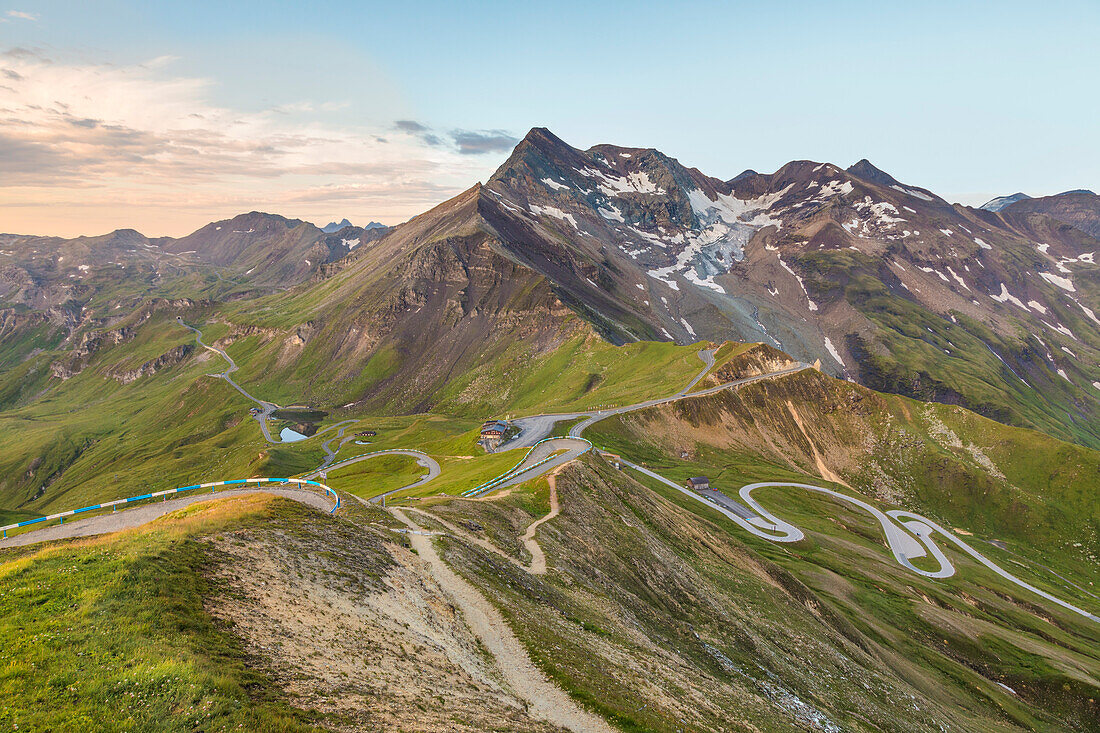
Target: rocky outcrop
90,343
169,358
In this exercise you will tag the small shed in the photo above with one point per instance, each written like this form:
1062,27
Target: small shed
698,483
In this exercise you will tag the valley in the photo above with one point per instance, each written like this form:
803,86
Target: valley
893,415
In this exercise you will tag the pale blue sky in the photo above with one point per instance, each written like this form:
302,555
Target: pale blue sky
969,99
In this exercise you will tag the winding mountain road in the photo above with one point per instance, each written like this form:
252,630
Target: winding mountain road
535,428
896,526
909,536
422,458
266,408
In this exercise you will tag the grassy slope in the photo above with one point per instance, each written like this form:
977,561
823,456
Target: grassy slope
926,458
91,438
652,591
111,633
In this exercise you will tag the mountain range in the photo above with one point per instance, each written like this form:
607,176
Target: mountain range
883,282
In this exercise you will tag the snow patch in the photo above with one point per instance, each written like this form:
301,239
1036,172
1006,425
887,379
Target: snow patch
1062,282
554,212
834,352
809,303
664,274
958,279
611,214
554,184
935,271
1006,296
915,194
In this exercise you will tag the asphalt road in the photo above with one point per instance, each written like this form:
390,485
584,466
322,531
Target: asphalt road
908,535
595,417
423,459
538,427
532,465
266,408
137,516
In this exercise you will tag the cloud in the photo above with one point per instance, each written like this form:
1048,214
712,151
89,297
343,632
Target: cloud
20,15
419,131
140,147
466,142
477,142
410,126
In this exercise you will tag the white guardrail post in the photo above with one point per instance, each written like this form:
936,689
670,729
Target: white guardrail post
212,486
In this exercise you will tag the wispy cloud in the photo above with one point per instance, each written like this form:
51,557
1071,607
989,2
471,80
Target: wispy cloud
20,15
124,141
477,142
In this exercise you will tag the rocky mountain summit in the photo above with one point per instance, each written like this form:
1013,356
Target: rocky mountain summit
887,283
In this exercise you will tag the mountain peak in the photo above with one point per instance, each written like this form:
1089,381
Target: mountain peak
334,226
1002,201
867,170
541,138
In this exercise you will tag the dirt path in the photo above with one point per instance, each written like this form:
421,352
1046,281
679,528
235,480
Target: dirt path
538,557
547,702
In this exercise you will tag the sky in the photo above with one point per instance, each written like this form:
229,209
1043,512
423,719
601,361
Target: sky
163,116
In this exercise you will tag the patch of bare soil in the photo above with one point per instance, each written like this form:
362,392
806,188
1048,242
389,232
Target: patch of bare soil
358,629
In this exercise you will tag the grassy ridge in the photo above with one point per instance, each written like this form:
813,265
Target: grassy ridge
111,633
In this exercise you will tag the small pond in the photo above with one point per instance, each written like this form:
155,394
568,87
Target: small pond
290,436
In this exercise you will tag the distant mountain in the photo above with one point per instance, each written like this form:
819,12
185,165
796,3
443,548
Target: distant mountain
884,282
1002,201
1079,209
249,250
865,170
333,226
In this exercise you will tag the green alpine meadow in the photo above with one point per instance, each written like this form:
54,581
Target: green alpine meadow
409,389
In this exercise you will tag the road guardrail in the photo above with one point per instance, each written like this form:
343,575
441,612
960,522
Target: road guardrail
513,471
212,486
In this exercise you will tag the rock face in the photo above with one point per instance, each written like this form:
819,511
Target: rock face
169,358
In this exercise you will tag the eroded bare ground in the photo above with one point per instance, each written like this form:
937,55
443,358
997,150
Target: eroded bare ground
351,624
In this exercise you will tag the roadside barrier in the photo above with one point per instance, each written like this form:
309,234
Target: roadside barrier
212,486
513,471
